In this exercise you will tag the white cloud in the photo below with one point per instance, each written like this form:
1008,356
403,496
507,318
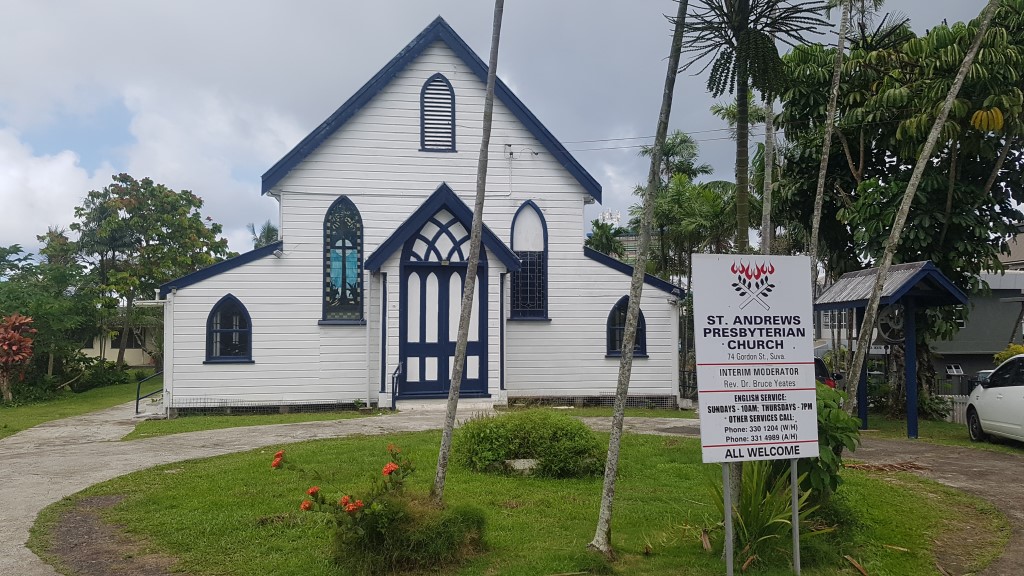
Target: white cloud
39,191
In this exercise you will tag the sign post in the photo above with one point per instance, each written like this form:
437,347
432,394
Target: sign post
754,343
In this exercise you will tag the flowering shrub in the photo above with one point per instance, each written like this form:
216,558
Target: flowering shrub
388,531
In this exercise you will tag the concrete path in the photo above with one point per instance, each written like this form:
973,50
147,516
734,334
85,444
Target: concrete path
43,464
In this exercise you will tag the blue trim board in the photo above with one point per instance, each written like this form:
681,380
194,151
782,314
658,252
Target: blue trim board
628,271
219,267
438,30
444,198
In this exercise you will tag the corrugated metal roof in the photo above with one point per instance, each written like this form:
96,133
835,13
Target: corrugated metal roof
922,280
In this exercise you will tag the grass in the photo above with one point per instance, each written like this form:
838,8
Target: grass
234,515
14,419
945,433
194,423
606,412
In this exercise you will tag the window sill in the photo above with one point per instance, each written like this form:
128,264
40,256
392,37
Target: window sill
229,361
529,319
619,355
341,322
441,150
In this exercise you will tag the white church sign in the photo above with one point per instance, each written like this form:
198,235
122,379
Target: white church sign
755,357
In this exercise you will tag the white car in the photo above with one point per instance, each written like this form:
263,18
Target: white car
996,405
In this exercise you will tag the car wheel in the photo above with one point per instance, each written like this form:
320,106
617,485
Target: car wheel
974,427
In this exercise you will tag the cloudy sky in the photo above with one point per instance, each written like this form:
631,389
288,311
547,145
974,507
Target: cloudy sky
208,95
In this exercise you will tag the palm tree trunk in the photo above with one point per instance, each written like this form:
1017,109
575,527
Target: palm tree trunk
908,197
437,492
603,534
742,156
769,169
826,143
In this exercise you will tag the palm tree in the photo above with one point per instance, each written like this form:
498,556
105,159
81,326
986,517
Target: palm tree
678,157
472,262
605,239
603,532
266,235
737,39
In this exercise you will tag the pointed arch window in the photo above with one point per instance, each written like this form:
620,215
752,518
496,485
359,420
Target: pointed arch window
437,115
343,263
529,293
617,329
229,332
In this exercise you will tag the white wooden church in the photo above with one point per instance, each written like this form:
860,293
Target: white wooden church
360,299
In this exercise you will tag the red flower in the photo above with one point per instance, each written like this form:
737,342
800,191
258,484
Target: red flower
313,491
344,500
389,468
306,506
276,463
279,454
354,507
392,449
359,503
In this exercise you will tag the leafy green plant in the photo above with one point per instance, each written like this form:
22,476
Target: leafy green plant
763,512
389,531
837,431
562,445
98,373
1010,351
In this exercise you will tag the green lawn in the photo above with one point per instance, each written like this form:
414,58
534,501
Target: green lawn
193,423
946,433
235,515
14,419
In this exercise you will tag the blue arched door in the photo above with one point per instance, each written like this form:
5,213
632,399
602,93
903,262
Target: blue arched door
433,275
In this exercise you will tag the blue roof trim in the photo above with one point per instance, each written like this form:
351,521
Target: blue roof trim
445,198
628,271
220,267
437,30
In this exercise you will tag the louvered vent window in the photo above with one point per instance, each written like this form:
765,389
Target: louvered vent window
437,115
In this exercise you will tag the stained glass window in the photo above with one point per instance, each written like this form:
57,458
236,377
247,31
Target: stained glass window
343,262
529,286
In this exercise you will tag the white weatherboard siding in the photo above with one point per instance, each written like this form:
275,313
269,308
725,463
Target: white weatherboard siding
287,343
566,357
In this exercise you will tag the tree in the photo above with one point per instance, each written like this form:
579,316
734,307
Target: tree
469,287
866,7
678,157
15,350
138,235
738,37
605,239
266,235
603,532
54,293
908,197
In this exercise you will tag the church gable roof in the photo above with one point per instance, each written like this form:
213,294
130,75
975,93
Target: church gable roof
438,30
443,198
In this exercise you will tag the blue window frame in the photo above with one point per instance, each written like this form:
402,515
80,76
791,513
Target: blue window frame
617,328
437,115
529,285
343,263
229,332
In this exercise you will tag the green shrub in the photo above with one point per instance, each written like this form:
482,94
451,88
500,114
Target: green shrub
402,534
1010,351
389,531
562,445
140,375
98,373
837,431
763,513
